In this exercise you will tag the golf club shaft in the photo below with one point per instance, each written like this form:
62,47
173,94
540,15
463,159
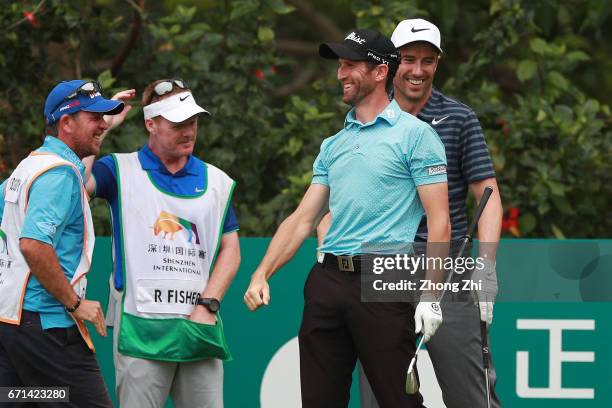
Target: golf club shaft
486,358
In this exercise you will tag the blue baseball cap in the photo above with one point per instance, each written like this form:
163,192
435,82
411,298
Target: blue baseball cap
71,96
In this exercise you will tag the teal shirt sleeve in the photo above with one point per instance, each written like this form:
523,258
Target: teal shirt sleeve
319,168
50,203
2,187
427,161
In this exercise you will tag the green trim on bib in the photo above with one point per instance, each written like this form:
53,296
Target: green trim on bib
176,339
171,194
121,239
227,205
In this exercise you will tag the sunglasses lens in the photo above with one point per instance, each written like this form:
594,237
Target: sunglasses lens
163,88
180,83
88,87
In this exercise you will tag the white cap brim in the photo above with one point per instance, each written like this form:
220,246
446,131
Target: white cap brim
176,108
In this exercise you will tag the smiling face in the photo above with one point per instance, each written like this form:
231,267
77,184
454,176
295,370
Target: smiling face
414,78
172,141
82,132
358,80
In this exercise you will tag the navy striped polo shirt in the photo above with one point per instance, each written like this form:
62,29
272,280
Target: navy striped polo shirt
467,156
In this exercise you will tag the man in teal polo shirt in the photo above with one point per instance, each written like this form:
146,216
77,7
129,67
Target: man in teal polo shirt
377,177
48,234
176,252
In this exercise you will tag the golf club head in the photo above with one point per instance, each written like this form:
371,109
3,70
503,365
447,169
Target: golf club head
412,382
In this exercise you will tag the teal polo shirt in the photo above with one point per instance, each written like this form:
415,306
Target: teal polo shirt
372,171
55,217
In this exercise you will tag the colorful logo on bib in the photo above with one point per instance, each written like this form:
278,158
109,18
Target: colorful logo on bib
170,224
3,243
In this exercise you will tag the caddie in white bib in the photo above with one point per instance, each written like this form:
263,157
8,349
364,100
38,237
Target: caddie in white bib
168,246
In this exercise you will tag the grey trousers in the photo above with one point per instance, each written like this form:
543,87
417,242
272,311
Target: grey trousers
147,383
456,353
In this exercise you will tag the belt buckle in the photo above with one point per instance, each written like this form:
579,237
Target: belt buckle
345,263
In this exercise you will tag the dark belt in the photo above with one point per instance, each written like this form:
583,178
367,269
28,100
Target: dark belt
342,263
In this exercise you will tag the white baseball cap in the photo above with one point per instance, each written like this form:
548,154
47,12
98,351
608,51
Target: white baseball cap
176,108
413,30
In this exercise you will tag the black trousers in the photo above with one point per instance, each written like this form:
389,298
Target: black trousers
32,357
337,328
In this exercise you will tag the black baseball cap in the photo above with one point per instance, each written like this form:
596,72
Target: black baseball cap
362,45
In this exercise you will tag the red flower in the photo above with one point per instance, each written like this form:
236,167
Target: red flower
259,74
510,223
31,19
513,212
505,224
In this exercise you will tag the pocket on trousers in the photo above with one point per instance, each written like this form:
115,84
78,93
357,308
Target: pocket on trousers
57,336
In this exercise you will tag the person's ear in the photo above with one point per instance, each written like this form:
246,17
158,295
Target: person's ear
382,71
150,125
65,124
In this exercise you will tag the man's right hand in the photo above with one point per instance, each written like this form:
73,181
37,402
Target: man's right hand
258,293
91,311
115,120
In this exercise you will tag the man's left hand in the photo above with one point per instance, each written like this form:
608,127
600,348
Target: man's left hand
486,277
202,315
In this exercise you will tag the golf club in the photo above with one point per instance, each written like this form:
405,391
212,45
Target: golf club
412,382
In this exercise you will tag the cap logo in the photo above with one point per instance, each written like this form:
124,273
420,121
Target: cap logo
377,58
70,105
416,30
354,37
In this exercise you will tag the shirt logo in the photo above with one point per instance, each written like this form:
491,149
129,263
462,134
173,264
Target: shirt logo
46,227
198,190
390,113
169,224
435,170
354,37
436,121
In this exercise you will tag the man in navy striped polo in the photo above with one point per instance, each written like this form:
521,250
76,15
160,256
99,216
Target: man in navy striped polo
455,350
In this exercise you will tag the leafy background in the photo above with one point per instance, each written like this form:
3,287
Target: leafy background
538,74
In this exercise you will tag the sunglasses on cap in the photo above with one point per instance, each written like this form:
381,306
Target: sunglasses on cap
87,89
166,87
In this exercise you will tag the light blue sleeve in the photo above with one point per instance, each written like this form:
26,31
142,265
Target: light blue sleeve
2,187
52,198
428,158
319,168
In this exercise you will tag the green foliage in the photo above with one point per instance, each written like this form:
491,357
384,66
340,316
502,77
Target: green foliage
537,74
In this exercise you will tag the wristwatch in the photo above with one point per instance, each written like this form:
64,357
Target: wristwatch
211,304
75,307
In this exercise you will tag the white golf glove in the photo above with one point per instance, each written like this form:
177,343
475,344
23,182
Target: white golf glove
427,318
487,279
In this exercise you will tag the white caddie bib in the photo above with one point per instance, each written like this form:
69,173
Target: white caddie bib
14,271
168,246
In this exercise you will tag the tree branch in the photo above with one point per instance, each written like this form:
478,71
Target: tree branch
326,26
302,79
134,32
305,48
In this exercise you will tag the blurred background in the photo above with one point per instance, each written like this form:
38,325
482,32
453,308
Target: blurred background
537,73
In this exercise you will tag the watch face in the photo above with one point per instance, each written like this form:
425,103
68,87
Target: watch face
211,304
214,305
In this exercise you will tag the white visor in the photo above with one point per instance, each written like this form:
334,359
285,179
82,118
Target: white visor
176,108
